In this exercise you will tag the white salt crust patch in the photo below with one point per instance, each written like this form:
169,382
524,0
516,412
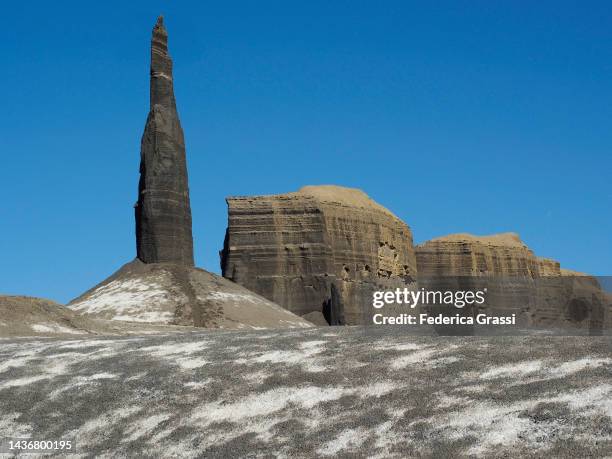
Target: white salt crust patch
306,357
181,353
498,425
9,425
55,328
134,300
513,370
532,370
456,414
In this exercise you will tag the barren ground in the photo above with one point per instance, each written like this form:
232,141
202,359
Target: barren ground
334,392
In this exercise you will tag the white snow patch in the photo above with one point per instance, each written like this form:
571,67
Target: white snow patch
346,440
442,361
514,370
399,347
574,366
145,426
411,359
274,400
256,377
151,317
312,344
81,381
496,424
135,300
10,427
195,385
181,351
377,389
16,362
592,400
266,403
234,297
95,430
53,368
305,357
80,344
191,363
55,328
22,381
175,348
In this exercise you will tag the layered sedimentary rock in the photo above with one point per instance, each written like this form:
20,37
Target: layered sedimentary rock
163,213
467,255
162,286
536,289
290,248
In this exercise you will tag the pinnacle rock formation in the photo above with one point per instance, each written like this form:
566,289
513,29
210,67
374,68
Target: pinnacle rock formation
290,248
162,286
163,213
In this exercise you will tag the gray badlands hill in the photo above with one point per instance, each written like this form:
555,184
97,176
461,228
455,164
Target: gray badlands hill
290,248
28,316
171,294
322,392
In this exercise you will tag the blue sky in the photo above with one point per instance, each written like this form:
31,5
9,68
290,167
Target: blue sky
477,117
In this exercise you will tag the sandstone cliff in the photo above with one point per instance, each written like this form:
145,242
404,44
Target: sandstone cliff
467,255
290,248
534,288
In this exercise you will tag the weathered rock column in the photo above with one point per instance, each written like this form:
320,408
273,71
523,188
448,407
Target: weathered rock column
163,213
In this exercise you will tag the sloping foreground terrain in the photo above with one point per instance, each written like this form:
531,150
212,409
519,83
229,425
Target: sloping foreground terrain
311,393
27,316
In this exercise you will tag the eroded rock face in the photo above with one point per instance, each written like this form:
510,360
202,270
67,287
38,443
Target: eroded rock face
163,213
291,247
467,255
536,289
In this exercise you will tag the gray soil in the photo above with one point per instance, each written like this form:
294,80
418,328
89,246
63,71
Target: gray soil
337,392
22,316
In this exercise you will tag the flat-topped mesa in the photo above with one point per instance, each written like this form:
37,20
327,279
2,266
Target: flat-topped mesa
536,289
467,255
163,212
291,248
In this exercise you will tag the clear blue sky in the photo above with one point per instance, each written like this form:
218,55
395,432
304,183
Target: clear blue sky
475,116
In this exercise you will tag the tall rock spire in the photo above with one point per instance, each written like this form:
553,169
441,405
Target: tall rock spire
163,212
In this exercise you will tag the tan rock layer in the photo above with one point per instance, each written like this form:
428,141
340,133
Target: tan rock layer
289,248
536,289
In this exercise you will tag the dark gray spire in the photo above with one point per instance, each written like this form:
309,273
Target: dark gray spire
163,213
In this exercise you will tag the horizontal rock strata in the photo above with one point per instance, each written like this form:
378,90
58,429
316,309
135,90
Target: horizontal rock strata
290,248
163,212
536,289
